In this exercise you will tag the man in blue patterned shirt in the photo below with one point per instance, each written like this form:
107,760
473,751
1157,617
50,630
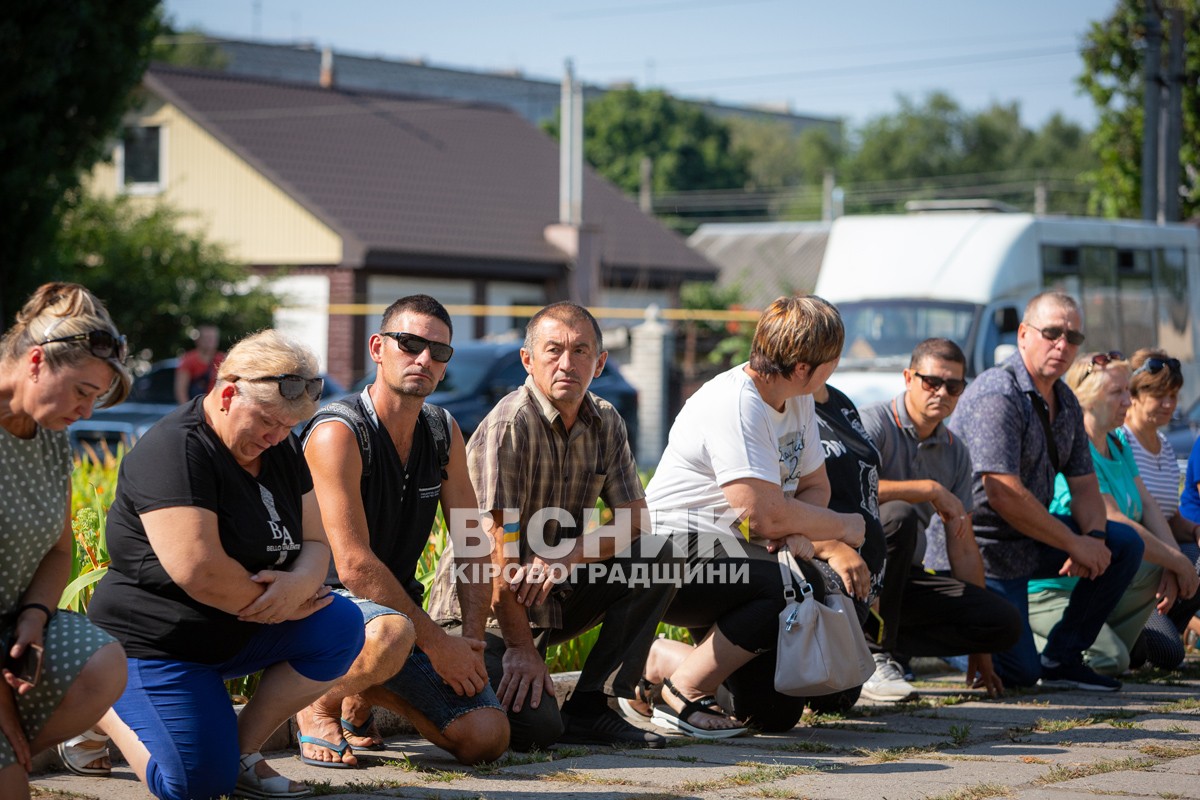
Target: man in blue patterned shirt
1023,425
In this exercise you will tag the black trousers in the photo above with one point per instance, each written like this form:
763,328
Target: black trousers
935,615
630,613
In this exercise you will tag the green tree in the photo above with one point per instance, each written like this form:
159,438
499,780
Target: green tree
688,148
1113,53
68,67
157,280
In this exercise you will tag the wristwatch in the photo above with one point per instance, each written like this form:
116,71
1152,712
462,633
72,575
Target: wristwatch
1098,534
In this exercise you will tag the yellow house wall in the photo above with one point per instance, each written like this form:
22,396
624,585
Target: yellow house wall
227,200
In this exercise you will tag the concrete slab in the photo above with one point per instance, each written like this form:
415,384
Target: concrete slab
1137,784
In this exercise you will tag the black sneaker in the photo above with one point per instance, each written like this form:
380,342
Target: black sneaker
1078,676
608,728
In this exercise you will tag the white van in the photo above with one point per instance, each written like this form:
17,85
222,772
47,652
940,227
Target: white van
966,276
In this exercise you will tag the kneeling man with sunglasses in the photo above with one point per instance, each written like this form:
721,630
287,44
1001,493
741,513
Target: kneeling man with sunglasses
925,483
1023,426
382,462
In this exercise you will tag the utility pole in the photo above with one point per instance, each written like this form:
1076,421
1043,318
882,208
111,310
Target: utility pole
1173,137
645,188
1151,96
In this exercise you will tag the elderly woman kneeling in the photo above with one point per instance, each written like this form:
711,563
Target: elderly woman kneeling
218,561
1101,383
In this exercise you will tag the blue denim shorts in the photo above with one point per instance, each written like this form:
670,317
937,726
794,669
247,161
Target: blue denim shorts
419,685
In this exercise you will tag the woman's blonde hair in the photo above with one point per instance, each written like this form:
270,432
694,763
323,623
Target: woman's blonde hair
58,310
264,354
1089,385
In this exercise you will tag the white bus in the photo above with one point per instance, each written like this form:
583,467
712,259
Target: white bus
966,276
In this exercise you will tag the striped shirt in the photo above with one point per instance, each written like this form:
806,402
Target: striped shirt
1160,472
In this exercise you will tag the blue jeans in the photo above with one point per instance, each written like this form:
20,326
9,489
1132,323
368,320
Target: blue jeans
418,683
1091,603
181,711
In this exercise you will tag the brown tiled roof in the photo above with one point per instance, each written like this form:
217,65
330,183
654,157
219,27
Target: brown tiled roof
419,182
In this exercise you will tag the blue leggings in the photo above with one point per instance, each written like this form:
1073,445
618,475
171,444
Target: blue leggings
182,713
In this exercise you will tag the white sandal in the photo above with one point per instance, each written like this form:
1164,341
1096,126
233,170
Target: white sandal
276,787
76,758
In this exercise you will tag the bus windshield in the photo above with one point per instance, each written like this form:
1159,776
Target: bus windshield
881,334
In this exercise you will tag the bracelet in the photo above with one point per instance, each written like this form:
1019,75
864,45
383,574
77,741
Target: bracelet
49,614
1098,534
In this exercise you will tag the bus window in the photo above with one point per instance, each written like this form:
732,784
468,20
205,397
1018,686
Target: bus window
1101,312
1174,317
1135,284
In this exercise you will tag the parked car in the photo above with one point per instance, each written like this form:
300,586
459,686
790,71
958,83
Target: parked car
480,373
151,398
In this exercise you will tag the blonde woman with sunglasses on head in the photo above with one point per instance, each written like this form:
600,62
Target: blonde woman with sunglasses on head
62,358
1100,382
218,564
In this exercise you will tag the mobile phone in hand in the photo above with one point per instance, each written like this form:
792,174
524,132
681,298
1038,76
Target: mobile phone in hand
26,667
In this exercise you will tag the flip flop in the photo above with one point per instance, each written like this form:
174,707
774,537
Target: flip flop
668,718
365,730
340,750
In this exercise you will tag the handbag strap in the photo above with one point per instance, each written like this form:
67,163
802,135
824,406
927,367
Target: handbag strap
791,572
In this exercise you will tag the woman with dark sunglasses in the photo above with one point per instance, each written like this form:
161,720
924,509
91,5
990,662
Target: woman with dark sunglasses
1101,384
218,564
60,359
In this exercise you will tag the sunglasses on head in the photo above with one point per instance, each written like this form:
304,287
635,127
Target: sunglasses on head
292,386
1155,365
1102,360
411,343
100,343
1054,333
954,386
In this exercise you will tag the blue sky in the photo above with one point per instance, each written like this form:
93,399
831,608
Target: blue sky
828,59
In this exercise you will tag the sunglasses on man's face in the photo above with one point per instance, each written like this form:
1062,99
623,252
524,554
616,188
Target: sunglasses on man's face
1054,333
1155,365
1102,360
411,343
954,386
292,386
100,343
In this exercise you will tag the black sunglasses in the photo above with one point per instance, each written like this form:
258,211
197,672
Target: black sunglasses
954,386
411,343
100,343
1102,360
1054,333
292,386
1155,365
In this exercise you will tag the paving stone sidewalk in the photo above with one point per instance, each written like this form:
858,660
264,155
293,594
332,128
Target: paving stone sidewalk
951,745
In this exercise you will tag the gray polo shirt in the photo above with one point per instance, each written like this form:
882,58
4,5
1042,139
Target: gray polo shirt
942,457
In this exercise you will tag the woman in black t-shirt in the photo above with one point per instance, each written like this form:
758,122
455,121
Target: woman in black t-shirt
218,565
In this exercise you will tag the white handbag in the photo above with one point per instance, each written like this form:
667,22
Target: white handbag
821,648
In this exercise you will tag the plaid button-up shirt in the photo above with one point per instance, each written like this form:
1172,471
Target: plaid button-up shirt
522,458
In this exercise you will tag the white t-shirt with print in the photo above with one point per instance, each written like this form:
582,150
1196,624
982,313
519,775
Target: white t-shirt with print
727,432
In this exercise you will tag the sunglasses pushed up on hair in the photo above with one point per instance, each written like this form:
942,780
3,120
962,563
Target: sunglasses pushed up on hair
1155,365
1102,360
415,345
100,343
292,386
954,386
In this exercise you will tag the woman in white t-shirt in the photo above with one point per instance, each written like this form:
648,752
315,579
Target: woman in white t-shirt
743,474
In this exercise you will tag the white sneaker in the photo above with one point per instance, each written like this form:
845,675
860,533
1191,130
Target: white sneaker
887,685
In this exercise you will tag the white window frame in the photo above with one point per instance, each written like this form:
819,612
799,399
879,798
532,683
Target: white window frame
148,187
